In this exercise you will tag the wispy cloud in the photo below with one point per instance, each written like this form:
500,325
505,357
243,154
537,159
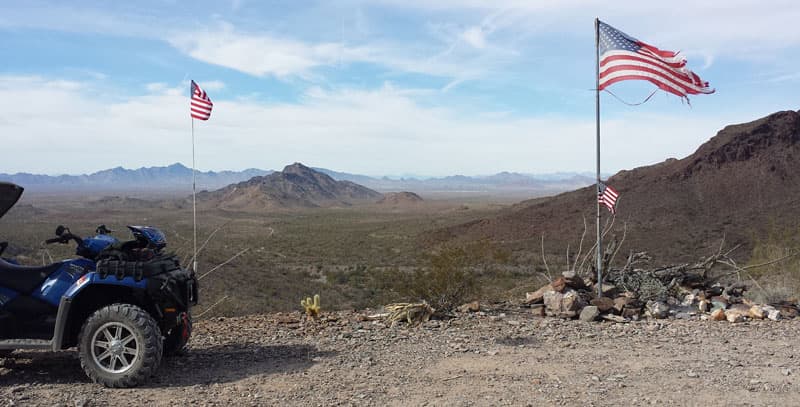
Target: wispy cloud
264,54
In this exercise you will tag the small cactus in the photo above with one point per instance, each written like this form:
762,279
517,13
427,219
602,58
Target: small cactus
311,307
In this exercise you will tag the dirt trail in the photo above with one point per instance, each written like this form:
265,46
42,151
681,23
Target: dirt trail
510,359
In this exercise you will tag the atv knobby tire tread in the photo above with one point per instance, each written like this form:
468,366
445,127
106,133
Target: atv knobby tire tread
135,318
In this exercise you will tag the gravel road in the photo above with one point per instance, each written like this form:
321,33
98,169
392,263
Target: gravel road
504,357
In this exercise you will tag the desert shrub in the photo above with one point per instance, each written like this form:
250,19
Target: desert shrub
777,280
451,275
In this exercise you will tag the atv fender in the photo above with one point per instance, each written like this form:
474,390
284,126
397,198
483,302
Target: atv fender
88,294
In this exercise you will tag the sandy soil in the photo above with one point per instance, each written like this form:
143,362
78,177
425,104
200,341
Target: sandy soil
505,357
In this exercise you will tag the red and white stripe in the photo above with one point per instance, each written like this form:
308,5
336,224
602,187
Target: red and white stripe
665,69
200,104
608,197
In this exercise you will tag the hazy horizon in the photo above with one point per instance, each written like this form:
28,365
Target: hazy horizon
344,171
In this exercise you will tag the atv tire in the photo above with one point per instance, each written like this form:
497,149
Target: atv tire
120,346
176,339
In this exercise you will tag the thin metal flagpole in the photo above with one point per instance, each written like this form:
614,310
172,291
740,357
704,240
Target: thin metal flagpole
597,192
194,203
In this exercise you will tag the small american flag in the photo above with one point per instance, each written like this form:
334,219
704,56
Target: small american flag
623,57
200,105
608,196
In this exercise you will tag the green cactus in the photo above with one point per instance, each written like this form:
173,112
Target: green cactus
311,307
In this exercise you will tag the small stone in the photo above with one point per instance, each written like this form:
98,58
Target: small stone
537,296
786,372
718,314
734,316
692,374
473,306
622,301
559,285
657,309
538,310
603,303
589,313
719,302
704,305
756,312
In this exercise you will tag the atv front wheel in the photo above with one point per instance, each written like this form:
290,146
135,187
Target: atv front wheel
120,346
176,339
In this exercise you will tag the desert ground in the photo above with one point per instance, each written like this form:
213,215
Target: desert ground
501,356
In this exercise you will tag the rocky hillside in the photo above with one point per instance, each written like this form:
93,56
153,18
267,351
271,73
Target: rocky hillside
741,184
297,186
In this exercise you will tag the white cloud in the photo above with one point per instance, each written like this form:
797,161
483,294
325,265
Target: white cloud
212,85
259,54
380,131
474,36
155,87
262,54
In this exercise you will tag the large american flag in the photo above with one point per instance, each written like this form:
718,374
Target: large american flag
200,105
608,196
623,57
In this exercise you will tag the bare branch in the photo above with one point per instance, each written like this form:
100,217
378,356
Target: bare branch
624,233
544,260
580,245
200,315
203,246
243,251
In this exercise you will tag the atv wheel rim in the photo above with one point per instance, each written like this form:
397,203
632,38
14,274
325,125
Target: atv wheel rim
114,348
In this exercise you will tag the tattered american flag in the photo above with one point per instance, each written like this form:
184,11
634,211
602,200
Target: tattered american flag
200,105
623,57
608,196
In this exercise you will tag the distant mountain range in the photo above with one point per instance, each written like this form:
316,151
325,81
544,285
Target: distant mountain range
504,182
173,177
178,178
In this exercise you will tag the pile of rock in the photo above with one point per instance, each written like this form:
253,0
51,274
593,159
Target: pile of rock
570,296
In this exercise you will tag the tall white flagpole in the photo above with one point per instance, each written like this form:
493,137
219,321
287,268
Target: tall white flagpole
194,203
597,189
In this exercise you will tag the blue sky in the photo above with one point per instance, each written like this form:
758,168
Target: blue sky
375,87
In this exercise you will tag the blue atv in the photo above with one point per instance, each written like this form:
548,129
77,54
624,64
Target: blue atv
122,304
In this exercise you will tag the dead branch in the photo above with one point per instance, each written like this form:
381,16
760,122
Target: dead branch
624,234
200,315
203,246
241,252
580,245
603,233
788,256
544,260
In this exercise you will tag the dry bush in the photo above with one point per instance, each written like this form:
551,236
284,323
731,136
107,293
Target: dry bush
452,275
778,280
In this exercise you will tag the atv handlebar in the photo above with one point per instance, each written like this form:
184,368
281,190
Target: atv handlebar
64,236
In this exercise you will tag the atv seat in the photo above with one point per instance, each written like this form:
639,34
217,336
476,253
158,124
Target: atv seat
24,279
